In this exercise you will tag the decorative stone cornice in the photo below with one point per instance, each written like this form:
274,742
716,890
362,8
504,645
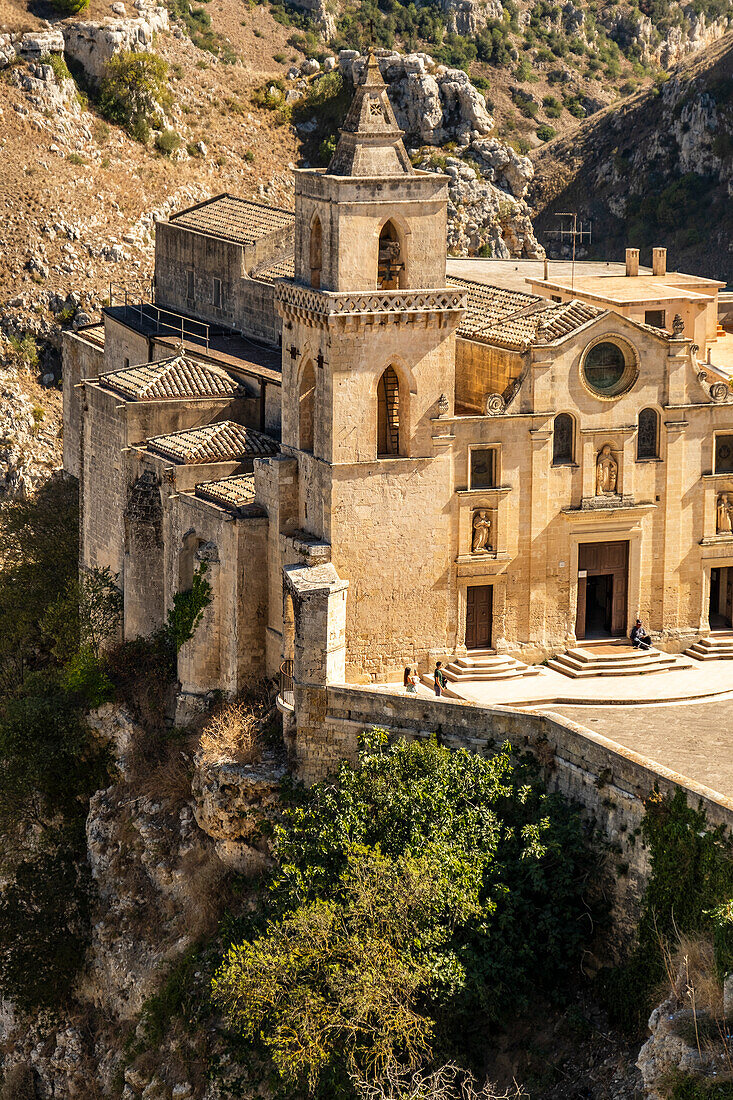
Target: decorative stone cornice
398,306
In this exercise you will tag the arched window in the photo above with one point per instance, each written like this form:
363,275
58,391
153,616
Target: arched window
316,252
647,440
388,414
562,439
391,262
306,409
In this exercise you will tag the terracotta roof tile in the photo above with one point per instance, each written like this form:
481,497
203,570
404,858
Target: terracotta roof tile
234,219
283,268
489,304
231,492
221,442
175,377
519,331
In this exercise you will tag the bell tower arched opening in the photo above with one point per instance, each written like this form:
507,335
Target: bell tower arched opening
391,259
316,252
306,407
388,414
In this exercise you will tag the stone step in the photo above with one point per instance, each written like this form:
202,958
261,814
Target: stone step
483,666
717,647
584,663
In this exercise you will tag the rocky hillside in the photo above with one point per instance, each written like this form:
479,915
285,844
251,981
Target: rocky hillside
654,169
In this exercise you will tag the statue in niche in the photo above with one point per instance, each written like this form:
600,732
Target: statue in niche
481,531
606,471
725,508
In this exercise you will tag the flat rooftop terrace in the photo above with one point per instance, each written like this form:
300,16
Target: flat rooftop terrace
227,348
513,274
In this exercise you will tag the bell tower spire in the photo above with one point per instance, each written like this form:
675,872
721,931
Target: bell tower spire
371,141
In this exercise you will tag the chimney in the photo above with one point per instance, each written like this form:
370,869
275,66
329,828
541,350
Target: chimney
547,268
632,261
659,261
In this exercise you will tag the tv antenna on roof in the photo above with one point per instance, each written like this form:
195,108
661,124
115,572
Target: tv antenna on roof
575,231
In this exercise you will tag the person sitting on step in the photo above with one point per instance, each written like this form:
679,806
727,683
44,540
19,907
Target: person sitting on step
639,637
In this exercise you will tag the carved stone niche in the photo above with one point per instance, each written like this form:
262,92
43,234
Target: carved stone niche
606,472
724,514
482,531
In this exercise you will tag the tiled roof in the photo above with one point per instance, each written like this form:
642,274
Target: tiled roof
284,268
231,492
234,219
488,304
543,326
177,376
222,442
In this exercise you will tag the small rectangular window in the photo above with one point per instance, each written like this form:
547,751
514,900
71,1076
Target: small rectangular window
655,317
724,454
127,362
190,285
217,293
482,474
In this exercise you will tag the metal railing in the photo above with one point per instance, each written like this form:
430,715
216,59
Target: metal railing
163,320
286,695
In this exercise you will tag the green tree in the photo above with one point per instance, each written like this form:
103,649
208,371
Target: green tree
419,896
39,556
134,92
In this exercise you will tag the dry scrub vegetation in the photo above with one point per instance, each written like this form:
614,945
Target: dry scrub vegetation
234,733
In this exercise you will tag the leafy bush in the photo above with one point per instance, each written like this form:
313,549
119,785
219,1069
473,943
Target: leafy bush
545,132
24,351
188,609
552,106
69,7
417,893
39,554
167,142
44,924
57,63
134,91
691,875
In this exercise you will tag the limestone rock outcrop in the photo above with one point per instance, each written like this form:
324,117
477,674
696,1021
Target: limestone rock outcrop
231,801
469,16
92,44
435,105
695,31
671,1050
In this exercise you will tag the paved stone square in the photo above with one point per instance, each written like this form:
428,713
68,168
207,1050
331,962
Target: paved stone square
695,739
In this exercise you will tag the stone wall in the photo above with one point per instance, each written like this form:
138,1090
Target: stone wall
609,781
481,370
247,304
82,358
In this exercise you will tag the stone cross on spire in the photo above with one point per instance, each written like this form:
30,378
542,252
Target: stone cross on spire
371,141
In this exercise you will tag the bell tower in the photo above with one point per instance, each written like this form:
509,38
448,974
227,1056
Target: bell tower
370,221
368,374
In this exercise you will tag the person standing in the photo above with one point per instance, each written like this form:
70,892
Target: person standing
439,679
410,681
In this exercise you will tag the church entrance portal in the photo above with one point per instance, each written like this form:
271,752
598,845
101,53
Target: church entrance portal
602,586
721,598
478,616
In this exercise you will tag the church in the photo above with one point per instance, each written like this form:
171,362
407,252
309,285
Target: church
380,464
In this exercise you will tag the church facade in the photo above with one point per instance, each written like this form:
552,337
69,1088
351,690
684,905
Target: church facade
381,465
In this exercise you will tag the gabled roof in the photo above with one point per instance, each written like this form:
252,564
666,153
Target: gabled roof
542,326
178,376
236,494
489,304
233,219
282,268
221,442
